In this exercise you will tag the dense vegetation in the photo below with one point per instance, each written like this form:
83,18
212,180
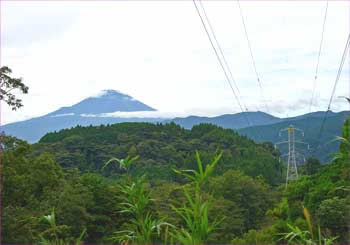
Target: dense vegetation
321,146
230,191
161,148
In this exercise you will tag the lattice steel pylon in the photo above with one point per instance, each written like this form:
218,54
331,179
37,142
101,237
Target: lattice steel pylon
292,167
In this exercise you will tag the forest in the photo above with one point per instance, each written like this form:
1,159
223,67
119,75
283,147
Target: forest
144,183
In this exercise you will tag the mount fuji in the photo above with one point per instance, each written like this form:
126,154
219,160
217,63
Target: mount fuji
95,110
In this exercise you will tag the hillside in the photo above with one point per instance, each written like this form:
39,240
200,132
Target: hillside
161,148
266,128
243,119
322,147
246,190
234,121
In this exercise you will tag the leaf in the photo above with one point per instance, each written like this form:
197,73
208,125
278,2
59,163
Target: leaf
111,160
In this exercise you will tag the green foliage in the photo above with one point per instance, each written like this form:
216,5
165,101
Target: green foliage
143,228
124,164
7,84
281,210
251,197
345,140
102,208
53,231
161,148
28,185
334,214
32,186
321,146
344,148
298,236
200,177
264,236
64,172
195,212
311,166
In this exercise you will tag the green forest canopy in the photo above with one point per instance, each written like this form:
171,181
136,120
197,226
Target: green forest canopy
64,171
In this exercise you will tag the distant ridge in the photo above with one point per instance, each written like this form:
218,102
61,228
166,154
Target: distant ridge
243,119
95,110
234,121
310,123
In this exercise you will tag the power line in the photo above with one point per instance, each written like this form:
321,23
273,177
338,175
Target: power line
335,85
318,58
339,70
246,116
220,62
252,56
220,49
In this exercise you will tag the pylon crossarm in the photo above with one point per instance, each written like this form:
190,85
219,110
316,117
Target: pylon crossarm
300,142
282,130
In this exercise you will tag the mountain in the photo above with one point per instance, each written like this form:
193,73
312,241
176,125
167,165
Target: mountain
243,119
318,114
161,147
108,101
322,146
233,121
83,113
261,127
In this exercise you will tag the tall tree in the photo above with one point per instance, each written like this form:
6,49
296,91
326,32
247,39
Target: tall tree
7,84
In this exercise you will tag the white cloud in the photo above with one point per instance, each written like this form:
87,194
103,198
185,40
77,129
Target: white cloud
136,114
211,112
63,115
158,53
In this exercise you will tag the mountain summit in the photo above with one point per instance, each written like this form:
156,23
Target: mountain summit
86,112
106,102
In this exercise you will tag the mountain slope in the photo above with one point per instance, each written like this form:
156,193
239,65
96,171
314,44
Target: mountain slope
161,148
264,127
66,117
243,119
234,121
322,146
108,101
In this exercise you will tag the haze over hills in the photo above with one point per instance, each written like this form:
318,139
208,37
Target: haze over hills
244,119
264,127
115,107
321,145
112,106
234,121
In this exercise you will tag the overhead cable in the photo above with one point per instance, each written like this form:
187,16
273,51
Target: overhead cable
318,58
220,61
335,85
252,57
220,49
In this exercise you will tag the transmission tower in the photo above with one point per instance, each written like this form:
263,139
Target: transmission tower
293,155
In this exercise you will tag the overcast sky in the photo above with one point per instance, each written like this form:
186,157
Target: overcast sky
158,53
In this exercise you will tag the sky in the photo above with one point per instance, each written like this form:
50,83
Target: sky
158,53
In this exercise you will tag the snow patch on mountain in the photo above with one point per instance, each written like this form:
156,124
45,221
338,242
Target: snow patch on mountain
105,92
